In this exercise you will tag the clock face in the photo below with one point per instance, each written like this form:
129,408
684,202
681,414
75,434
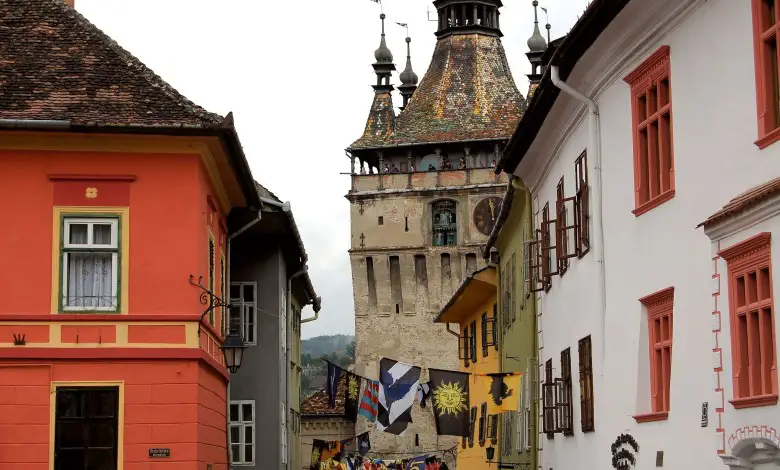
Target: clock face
486,214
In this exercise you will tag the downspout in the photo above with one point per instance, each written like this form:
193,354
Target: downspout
594,148
227,281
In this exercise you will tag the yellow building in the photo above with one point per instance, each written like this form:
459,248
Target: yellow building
474,308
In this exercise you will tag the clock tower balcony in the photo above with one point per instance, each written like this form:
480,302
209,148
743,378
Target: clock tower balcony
390,183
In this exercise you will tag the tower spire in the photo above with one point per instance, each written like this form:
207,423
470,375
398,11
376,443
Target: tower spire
536,45
383,67
408,77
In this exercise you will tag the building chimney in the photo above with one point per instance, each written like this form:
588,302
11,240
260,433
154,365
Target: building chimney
70,3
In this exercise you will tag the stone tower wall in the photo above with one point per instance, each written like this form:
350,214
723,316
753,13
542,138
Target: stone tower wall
410,335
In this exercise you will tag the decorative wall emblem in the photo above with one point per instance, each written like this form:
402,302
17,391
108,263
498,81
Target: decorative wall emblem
624,451
92,193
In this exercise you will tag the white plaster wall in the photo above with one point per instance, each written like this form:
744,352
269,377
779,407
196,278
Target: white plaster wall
714,127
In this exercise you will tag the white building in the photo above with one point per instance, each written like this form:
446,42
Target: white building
663,332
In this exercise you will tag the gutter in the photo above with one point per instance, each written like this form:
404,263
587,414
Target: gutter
594,148
34,124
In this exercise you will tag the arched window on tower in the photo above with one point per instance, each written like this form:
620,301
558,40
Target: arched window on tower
445,226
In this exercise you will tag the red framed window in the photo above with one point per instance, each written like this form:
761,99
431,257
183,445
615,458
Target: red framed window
766,30
660,332
752,322
651,106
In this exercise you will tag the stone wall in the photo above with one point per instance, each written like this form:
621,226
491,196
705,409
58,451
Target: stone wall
407,333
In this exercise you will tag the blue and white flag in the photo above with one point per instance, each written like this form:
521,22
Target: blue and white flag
397,390
417,463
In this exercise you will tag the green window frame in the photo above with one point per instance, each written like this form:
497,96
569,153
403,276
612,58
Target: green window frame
68,248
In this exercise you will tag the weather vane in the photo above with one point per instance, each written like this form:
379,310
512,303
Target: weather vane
404,25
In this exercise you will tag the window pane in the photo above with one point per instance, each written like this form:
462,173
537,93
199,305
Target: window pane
100,460
78,234
90,280
235,434
235,292
70,459
100,404
771,50
102,435
248,433
248,453
246,412
235,317
764,286
233,413
235,452
71,435
69,404
101,234
249,293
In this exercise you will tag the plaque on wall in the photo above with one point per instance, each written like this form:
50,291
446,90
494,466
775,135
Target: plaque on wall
159,453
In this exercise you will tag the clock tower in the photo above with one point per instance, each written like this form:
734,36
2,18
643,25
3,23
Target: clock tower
424,197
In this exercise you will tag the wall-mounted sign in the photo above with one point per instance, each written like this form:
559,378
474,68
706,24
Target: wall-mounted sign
159,453
705,414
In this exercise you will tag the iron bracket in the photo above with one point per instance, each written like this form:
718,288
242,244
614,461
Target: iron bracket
207,298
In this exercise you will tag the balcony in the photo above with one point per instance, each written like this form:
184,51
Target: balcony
425,180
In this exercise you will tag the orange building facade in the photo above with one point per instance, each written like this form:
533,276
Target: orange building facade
104,360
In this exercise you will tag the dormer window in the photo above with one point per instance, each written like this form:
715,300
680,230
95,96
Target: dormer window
445,226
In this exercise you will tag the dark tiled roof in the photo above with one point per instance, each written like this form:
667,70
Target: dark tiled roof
380,124
317,404
56,65
468,93
749,198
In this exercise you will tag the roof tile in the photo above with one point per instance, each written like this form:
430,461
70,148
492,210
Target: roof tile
749,198
317,404
56,65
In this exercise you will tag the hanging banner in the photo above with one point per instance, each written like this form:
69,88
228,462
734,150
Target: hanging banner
450,391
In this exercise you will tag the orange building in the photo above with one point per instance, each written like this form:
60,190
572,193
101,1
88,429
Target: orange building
114,191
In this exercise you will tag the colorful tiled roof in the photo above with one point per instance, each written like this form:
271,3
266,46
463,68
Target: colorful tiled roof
745,200
56,65
380,124
317,404
468,93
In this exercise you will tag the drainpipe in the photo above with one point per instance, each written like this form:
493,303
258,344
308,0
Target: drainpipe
594,148
227,281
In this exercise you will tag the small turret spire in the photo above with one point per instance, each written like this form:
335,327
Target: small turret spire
536,45
409,79
536,42
383,67
383,54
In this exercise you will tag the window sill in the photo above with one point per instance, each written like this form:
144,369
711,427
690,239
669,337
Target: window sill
768,139
653,203
753,402
650,417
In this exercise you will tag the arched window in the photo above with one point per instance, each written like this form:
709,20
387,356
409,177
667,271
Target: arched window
445,226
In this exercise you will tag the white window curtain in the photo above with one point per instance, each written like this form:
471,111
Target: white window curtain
90,275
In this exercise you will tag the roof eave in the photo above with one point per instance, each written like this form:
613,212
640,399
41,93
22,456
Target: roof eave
586,31
461,289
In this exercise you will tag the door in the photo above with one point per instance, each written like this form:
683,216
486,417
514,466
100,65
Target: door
86,427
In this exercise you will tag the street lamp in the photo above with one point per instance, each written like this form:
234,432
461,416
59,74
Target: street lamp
233,348
490,452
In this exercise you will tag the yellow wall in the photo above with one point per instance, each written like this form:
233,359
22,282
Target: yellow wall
473,458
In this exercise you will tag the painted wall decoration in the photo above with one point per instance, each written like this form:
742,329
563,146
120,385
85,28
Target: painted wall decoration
624,451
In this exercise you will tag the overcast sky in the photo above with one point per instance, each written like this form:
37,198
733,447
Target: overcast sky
297,76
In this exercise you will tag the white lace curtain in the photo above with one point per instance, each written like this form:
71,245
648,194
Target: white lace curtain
90,275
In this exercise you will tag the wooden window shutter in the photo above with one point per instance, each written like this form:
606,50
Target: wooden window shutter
513,293
463,346
536,280
582,205
482,424
586,384
565,234
484,335
473,422
565,408
549,394
547,247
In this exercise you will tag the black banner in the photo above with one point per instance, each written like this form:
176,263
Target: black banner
450,392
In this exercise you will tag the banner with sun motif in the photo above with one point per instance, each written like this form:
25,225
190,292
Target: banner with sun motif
352,396
450,392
